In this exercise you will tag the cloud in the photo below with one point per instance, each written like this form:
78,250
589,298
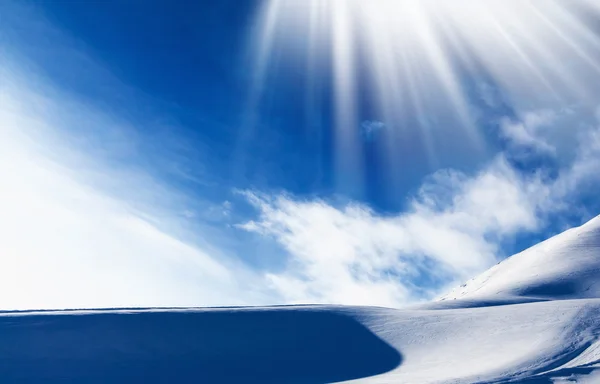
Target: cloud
78,232
371,127
352,255
526,134
451,229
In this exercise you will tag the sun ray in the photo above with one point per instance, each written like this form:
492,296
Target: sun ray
411,63
347,152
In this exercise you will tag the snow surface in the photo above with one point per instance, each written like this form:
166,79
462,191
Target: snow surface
562,267
534,318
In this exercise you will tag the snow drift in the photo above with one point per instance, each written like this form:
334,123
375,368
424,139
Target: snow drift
534,318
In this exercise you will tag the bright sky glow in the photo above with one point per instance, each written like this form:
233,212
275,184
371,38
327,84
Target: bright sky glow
431,57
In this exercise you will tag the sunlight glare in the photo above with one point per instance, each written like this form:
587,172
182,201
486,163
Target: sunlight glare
408,58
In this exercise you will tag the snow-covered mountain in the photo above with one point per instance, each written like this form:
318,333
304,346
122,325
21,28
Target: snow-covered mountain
566,266
534,318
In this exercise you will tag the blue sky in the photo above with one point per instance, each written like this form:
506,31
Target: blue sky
268,152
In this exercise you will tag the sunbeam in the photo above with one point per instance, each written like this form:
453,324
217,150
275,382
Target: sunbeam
405,63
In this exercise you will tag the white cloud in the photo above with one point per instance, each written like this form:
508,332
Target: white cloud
71,236
451,230
352,255
528,132
371,127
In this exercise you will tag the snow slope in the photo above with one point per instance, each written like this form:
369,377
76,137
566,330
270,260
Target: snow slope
566,266
301,344
531,342
534,318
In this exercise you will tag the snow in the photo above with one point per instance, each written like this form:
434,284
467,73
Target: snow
564,266
534,318
231,345
490,344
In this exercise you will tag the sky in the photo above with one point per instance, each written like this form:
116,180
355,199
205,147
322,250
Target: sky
223,153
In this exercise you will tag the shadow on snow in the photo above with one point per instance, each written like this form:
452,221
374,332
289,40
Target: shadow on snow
212,346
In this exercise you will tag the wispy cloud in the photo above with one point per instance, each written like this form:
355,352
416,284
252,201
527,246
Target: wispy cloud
80,231
526,134
370,128
452,229
353,255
